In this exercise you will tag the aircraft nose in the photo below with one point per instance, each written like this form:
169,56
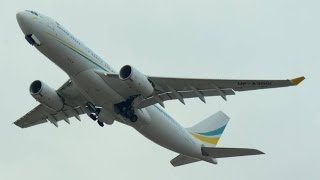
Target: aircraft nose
24,22
19,16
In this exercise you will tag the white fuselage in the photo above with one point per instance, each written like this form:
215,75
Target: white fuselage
80,63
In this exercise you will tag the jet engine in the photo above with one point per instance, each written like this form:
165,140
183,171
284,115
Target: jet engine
46,95
137,80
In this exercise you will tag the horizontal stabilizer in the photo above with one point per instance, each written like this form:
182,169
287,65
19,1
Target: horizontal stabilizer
182,160
228,152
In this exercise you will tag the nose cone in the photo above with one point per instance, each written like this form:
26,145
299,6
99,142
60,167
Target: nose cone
24,21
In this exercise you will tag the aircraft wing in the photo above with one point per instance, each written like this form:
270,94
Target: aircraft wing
181,88
42,114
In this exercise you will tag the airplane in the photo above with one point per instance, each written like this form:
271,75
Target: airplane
128,96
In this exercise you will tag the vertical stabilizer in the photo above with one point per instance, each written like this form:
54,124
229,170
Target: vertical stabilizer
210,130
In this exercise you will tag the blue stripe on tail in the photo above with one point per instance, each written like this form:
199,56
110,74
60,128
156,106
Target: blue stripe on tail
214,132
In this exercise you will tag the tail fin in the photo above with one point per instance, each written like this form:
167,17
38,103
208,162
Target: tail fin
210,130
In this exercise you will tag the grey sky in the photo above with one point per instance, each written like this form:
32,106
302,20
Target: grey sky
208,39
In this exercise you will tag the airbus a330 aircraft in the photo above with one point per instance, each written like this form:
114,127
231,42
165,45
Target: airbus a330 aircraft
129,97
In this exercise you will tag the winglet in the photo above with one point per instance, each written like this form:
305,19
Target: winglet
297,81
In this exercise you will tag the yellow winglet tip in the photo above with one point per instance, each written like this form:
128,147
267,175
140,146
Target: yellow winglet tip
297,81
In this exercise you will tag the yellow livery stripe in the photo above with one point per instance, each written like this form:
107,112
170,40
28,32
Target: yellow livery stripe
210,140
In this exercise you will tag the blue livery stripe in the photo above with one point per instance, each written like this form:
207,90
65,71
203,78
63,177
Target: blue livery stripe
214,132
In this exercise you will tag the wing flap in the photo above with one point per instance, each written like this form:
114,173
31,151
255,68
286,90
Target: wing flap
215,152
184,94
41,114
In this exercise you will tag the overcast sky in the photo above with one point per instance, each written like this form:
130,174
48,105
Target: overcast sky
247,39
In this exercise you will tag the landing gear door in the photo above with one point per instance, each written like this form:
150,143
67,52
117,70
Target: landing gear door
106,117
33,40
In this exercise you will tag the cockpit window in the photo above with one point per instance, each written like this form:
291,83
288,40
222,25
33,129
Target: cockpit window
33,12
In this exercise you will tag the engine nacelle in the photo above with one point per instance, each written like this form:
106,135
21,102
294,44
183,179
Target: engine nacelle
137,80
46,95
